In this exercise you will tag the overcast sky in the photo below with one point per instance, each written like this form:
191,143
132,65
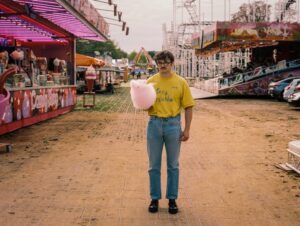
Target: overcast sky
145,19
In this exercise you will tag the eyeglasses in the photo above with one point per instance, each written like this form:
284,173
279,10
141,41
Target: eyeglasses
163,62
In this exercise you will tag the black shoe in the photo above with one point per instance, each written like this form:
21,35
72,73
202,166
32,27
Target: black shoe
153,207
173,209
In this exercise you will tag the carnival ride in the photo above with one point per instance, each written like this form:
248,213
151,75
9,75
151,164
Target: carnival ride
179,40
149,63
274,49
227,58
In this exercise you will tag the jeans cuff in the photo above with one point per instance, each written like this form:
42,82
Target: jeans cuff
156,197
171,197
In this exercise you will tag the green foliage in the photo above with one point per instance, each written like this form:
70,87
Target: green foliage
132,55
142,61
152,53
88,47
120,102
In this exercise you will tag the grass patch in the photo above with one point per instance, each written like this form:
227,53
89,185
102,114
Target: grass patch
120,101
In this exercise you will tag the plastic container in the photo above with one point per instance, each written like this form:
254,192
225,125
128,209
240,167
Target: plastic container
294,146
4,103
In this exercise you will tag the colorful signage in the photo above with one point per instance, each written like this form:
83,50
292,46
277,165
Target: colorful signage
29,103
257,87
87,10
258,31
248,32
196,41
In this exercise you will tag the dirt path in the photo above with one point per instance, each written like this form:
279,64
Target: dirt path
90,168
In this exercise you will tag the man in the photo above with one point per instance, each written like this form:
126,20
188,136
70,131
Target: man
164,128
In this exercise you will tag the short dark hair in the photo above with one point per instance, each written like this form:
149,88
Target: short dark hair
164,55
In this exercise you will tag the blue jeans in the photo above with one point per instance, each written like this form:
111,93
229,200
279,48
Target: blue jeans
162,131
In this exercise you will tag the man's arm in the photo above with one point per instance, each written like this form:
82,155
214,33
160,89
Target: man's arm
188,113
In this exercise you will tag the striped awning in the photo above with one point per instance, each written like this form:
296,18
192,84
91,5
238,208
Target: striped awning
83,60
38,20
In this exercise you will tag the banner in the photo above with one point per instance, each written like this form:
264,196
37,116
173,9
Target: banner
247,34
29,103
258,31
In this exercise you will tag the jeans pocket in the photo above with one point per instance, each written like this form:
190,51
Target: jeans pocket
175,122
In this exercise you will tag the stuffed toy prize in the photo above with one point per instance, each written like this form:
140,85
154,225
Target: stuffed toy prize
17,55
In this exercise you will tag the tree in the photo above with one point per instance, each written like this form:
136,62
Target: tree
132,55
257,11
286,10
152,53
88,47
142,61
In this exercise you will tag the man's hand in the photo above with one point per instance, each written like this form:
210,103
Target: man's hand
185,135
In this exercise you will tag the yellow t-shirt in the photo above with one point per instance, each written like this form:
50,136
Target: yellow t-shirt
172,94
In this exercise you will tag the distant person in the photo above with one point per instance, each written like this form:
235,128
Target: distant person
275,56
138,75
133,74
164,128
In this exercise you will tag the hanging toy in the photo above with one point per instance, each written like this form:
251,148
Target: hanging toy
56,63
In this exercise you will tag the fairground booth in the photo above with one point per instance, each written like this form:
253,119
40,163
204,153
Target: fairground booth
37,57
109,74
83,62
273,48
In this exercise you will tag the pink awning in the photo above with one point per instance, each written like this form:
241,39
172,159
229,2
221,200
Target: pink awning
58,12
14,27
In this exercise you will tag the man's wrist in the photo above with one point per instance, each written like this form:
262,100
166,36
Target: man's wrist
187,129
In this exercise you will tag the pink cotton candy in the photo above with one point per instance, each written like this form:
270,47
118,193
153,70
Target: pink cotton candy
143,95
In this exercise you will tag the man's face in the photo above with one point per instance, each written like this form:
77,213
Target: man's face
164,66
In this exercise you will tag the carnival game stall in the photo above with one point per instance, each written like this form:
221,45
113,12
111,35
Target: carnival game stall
106,75
109,78
123,69
37,58
273,48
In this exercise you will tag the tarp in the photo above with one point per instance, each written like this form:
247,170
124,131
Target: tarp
83,60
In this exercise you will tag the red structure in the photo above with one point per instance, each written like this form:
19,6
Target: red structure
228,36
275,54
